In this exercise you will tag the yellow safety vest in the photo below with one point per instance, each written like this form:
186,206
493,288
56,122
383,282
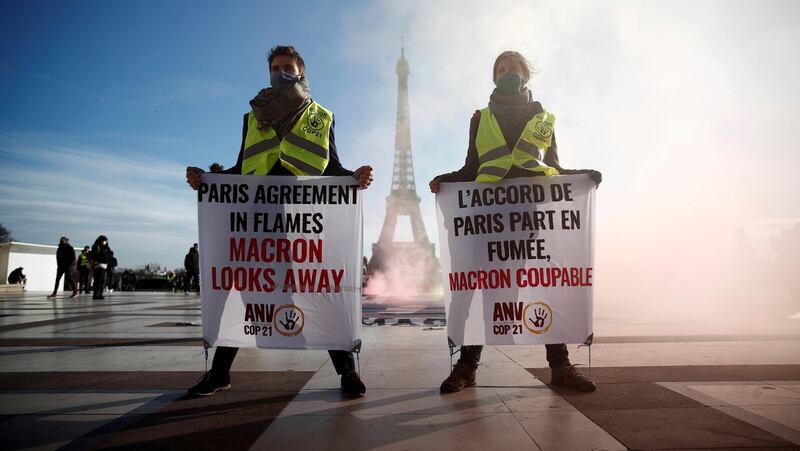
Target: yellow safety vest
496,158
303,151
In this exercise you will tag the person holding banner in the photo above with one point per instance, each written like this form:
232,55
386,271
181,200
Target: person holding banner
285,134
512,116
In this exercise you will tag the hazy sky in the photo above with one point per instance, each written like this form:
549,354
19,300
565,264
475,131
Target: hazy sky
689,109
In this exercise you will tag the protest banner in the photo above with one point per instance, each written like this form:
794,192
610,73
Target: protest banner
518,260
280,261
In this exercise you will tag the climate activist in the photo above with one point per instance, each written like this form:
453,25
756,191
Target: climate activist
277,141
499,149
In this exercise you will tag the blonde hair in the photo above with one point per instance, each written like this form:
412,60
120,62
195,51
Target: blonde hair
527,67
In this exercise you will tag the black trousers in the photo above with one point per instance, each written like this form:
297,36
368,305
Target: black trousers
190,281
67,272
83,283
343,361
99,282
557,355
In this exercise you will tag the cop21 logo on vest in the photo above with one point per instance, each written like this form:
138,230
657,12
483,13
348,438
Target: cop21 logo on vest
543,130
316,119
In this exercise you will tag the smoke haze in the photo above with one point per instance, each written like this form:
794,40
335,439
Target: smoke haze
688,110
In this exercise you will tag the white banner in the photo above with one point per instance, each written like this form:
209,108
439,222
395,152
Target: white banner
280,261
518,260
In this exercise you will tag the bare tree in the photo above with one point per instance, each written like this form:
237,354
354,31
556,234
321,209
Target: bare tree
5,234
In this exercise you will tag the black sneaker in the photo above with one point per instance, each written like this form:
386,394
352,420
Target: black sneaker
209,385
569,376
352,387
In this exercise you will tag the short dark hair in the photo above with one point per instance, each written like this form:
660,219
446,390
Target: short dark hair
287,50
516,56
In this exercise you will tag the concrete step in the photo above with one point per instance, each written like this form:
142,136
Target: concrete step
8,288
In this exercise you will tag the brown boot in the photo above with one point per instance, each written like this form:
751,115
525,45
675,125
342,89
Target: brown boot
462,376
569,376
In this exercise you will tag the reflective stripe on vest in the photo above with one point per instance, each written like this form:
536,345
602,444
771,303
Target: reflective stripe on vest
261,148
303,151
495,157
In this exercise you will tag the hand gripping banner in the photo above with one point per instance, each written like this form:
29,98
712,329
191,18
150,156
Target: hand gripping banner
518,260
280,261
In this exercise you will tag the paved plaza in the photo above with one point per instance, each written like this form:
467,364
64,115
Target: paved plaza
112,374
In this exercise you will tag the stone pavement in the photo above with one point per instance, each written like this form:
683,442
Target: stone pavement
112,375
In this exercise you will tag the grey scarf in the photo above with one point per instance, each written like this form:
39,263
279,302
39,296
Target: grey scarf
505,104
279,107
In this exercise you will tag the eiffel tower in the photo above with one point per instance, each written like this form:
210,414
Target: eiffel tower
407,266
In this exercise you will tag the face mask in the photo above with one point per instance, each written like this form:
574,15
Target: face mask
283,78
509,83
105,242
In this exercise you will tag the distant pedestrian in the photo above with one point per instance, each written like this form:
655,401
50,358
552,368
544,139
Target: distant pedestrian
132,279
192,265
128,282
179,281
99,261
171,281
65,259
112,263
17,277
83,271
